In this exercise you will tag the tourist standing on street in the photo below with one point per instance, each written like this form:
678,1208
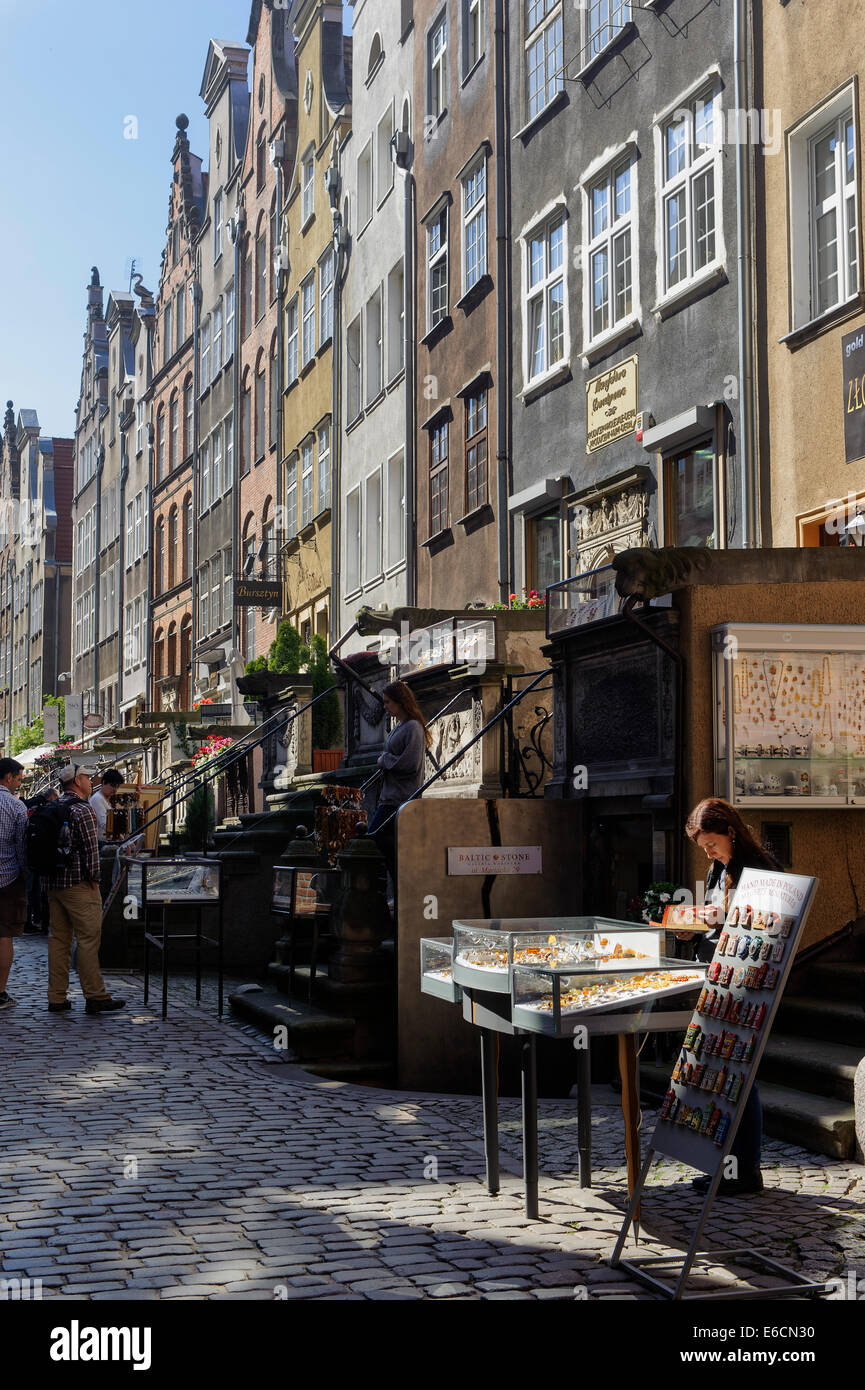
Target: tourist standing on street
76,903
718,829
403,766
103,799
13,869
37,912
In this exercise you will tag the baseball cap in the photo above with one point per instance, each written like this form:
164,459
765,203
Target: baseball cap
71,771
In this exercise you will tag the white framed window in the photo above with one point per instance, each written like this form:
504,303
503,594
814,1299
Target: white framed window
833,214
352,540
229,322
167,345
437,269
217,226
216,482
204,599
137,550
545,310
394,536
307,307
690,194
474,37
474,193
205,353
364,186
323,467
215,594
307,483
308,189
605,19
217,340
228,470
372,528
291,342
130,555
437,51
373,346
353,369
227,581
384,163
325,297
544,61
395,321
204,478
291,497
611,240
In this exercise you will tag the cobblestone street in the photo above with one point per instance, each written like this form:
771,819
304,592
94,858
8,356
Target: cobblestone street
144,1160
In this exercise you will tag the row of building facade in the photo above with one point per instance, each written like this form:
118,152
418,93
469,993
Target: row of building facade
467,302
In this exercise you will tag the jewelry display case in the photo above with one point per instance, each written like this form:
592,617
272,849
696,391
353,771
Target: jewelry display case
551,1000
485,952
436,969
789,704
161,882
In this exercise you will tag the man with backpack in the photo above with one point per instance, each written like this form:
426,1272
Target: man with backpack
63,846
13,869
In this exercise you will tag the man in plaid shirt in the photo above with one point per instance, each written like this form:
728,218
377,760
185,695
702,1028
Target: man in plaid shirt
76,903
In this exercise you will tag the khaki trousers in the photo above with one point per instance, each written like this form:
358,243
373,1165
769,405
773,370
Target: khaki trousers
75,911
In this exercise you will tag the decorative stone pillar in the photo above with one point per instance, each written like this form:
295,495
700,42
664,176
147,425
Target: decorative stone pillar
287,751
361,921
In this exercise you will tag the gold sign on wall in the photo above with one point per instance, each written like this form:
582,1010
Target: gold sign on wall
611,405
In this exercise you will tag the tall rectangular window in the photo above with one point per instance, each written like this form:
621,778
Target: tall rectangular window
364,186
130,555
167,345
139,426
216,619
216,484
307,306
246,431
384,163
204,477
690,179
217,226
324,467
545,307
395,530
474,225
476,450
834,219
605,19
325,298
227,580
690,509
188,411
291,497
180,316
372,537
273,387
229,322
395,321
204,600
291,342
228,471
308,188
217,340
246,290
260,413
352,541
139,519
307,483
261,276
373,347
438,477
437,269
437,66
353,369
473,33
174,432
544,61
611,236
205,354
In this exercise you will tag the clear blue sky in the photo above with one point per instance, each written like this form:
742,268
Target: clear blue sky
75,192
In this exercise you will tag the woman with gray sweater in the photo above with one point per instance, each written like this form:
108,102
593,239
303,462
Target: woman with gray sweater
402,764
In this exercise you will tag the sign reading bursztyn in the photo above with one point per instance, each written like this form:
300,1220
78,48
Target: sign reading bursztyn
853,348
498,859
611,405
257,593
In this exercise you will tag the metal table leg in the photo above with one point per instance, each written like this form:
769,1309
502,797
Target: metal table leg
164,963
530,1126
489,1084
584,1115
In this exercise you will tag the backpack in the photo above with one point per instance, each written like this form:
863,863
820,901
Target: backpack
49,838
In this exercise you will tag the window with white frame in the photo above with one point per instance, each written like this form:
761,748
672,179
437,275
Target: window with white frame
834,220
609,222
216,358
323,467
353,369
364,186
291,342
474,225
372,534
188,418
474,19
690,168
307,483
352,540
227,582
139,427
215,594
204,599
228,470
384,163
373,347
308,188
544,59
291,497
139,519
167,345
545,303
229,322
325,297
205,353
437,269
605,19
130,555
395,530
437,66
217,226
307,308
204,477
216,483
395,321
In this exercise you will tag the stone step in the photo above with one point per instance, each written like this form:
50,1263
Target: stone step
834,1020
358,1073
833,980
811,1064
311,1034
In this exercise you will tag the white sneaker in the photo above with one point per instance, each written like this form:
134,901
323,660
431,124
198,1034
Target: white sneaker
6,1001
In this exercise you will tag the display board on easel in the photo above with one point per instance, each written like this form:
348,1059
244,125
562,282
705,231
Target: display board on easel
722,1048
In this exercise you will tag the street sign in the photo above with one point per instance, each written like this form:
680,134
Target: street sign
258,593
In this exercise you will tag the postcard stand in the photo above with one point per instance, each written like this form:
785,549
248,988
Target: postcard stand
712,1079
195,883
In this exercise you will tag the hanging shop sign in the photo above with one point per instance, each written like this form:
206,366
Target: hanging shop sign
258,593
853,361
611,405
498,859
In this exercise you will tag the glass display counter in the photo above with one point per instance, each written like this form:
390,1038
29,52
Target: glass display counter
161,882
486,952
436,969
553,1000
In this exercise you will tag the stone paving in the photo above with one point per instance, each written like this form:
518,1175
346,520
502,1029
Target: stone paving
186,1159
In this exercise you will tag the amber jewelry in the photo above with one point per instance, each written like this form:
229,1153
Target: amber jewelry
827,676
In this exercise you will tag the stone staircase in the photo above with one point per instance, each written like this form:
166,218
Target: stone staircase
807,1072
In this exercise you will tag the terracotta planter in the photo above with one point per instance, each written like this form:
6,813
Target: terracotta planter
326,759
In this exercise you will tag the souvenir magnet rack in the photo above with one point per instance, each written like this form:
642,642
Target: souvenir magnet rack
731,1024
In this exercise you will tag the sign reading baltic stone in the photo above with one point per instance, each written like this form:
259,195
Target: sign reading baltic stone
611,405
498,859
853,361
257,593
